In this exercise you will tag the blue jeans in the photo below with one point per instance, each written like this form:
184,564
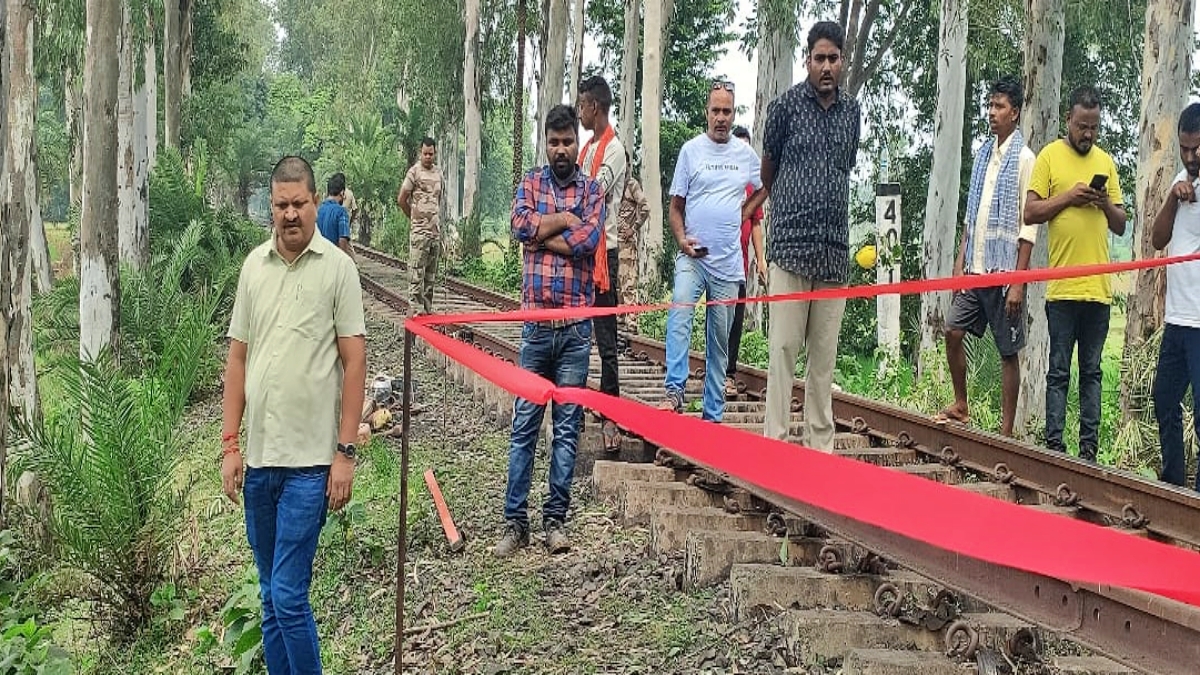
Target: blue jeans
1072,322
560,355
1178,368
691,281
285,510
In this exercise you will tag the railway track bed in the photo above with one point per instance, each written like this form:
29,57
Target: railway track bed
843,595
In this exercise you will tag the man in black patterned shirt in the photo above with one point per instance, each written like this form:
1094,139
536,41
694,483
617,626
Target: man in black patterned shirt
809,145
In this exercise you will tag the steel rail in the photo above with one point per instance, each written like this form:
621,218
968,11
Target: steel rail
1103,494
1144,631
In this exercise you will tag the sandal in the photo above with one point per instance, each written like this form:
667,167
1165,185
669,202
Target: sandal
673,401
612,436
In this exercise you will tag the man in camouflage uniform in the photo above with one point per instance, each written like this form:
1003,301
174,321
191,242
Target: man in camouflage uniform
420,199
633,213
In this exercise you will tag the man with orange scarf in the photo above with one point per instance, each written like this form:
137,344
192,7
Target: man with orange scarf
604,158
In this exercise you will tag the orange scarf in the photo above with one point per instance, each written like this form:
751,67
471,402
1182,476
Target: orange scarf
603,283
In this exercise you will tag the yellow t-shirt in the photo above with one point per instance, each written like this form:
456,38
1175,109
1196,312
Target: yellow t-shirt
1078,235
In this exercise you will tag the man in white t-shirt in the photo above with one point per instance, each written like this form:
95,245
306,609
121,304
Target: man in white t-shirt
708,205
1177,228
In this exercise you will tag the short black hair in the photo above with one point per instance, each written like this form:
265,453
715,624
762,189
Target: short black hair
294,169
597,89
336,184
562,117
428,142
827,30
741,132
1189,119
1012,88
1085,97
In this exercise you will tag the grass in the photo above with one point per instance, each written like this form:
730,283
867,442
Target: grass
530,600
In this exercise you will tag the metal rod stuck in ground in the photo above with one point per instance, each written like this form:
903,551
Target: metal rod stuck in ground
452,535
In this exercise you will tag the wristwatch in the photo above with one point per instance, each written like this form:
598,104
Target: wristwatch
347,449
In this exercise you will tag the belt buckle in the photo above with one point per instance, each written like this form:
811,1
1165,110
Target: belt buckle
561,323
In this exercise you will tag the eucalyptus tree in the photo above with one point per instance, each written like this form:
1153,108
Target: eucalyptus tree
1045,35
1166,75
472,116
550,88
774,32
656,24
941,203
99,289
18,215
629,68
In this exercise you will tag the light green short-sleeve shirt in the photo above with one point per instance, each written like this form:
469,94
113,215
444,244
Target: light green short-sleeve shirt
290,317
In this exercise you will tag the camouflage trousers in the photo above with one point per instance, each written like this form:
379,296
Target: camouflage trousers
627,287
423,251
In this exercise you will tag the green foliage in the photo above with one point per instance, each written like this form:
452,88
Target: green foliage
241,619
393,234
25,642
500,276
366,153
108,454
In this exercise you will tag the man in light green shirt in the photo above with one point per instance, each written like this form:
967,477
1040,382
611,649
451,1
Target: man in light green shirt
297,372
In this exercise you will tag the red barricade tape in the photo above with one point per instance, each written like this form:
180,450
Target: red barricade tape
969,524
960,283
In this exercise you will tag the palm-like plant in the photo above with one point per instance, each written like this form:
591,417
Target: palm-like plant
109,457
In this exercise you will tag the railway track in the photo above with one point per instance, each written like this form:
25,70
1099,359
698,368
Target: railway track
1142,631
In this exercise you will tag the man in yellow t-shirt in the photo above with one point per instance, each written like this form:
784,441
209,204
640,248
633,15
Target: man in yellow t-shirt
1075,190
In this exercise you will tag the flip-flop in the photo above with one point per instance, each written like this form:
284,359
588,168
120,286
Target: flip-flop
612,436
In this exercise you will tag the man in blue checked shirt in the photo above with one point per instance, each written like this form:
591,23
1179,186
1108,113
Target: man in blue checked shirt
557,216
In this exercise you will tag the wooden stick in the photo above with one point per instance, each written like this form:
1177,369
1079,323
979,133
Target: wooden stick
452,535
443,624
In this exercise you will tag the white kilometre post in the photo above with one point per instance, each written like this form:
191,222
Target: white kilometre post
887,265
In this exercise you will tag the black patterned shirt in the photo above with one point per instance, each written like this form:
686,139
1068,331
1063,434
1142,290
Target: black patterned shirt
814,151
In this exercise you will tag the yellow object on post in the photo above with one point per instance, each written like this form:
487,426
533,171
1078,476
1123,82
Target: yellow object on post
866,257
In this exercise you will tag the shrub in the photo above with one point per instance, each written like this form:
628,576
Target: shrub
108,456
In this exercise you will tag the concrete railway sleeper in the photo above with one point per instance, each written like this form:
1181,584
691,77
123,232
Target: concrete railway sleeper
839,579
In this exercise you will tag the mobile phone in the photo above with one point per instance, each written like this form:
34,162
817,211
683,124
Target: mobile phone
1099,181
701,251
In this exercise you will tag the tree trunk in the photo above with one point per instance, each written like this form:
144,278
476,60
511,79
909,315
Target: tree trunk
1166,68
577,50
941,204
656,22
550,93
150,94
126,192
172,84
5,273
1045,28
136,251
519,94
20,211
99,290
472,115
629,65
776,56
451,161
73,104
186,49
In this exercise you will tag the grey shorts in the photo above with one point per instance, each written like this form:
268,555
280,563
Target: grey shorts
976,309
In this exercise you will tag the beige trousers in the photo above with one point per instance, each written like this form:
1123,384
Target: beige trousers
813,326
